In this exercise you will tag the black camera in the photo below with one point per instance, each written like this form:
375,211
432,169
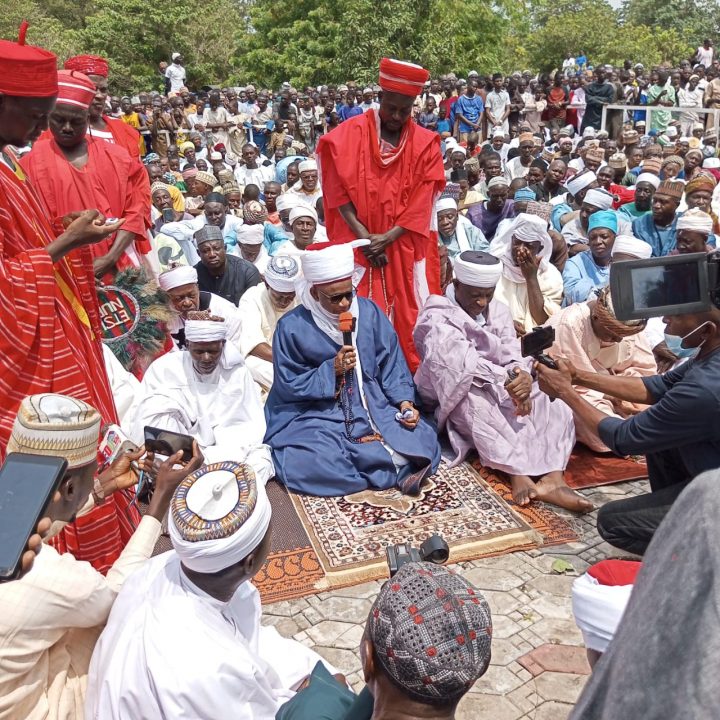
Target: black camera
434,550
673,285
533,344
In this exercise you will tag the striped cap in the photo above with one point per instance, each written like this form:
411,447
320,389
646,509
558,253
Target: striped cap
75,89
401,77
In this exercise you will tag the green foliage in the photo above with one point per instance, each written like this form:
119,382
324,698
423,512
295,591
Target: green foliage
693,20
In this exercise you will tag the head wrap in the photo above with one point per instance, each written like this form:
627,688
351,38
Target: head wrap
603,219
218,516
499,180
599,198
151,159
617,161
187,145
605,316
75,89
254,212
189,173
177,277
251,234
649,178
56,426
445,203
589,132
702,181
652,165
524,194
88,64
323,263
525,228
26,70
630,245
401,77
208,233
281,273
307,165
671,188
175,56
478,269
303,211
206,177
205,329
696,220
431,632
579,182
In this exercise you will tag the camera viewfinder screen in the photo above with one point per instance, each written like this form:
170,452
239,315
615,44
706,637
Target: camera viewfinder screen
658,286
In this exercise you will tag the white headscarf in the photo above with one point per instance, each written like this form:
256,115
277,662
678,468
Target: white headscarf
528,229
177,277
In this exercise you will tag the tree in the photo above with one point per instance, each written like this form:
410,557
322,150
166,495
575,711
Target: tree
693,20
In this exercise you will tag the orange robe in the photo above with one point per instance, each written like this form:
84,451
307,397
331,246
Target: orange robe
50,342
393,187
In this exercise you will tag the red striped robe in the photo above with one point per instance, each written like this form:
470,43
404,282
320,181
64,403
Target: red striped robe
49,342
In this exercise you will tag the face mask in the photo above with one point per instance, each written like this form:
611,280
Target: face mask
674,345
692,332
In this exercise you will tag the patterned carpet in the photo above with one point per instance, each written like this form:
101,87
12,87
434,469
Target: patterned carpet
325,543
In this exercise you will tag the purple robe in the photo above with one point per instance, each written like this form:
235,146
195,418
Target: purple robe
487,221
462,374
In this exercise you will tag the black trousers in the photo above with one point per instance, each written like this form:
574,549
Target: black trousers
630,524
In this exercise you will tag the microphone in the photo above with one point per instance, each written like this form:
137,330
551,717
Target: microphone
347,326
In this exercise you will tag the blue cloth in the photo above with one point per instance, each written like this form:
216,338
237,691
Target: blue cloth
306,425
444,126
346,112
474,235
557,212
684,417
603,219
582,276
470,108
273,237
661,240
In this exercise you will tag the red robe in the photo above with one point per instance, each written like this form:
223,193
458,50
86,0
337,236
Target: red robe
111,182
396,188
124,135
50,342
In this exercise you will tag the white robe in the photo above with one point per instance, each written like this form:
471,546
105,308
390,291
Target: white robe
124,385
169,650
260,319
222,411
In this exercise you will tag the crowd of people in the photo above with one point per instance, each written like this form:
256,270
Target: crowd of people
348,272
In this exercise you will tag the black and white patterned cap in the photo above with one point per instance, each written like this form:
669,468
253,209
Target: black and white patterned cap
431,630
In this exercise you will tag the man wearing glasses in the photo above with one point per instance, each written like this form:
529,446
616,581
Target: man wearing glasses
341,415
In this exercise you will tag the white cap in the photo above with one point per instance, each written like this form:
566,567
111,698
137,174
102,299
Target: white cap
445,203
696,220
183,275
580,181
599,198
251,234
303,211
329,264
630,245
306,165
653,180
282,272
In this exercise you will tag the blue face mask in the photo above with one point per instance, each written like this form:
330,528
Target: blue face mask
673,343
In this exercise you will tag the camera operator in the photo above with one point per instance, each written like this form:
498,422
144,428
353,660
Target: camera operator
50,618
679,433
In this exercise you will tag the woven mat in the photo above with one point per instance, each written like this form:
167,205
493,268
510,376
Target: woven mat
324,543
588,469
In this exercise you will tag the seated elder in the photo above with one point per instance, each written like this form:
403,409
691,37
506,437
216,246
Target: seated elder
342,417
595,341
529,285
483,391
456,232
208,393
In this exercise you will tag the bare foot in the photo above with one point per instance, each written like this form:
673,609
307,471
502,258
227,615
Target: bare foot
553,489
523,489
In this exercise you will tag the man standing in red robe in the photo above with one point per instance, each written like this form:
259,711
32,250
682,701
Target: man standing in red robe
381,174
72,171
101,126
49,318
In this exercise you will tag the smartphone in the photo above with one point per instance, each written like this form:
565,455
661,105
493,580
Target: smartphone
114,444
541,338
168,215
166,442
27,484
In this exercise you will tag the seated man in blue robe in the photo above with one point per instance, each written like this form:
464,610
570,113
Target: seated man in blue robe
341,417
659,227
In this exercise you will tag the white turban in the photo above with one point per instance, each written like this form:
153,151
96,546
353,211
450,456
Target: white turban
525,228
330,264
446,203
251,234
281,273
183,275
478,269
589,132
205,330
288,201
498,132
303,211
599,198
654,180
306,165
697,220
630,245
671,131
580,181
218,516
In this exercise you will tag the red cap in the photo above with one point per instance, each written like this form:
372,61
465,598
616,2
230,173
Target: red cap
88,64
615,572
75,89
402,77
26,70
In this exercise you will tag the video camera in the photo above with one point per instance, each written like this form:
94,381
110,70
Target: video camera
434,550
673,285
533,344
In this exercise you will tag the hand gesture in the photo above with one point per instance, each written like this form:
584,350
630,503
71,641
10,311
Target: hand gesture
120,475
345,360
34,545
88,228
520,387
169,477
410,423
555,382
527,262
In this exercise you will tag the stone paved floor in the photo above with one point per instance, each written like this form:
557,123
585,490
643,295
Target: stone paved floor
538,665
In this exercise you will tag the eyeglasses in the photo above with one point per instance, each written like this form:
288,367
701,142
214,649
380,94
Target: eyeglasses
337,299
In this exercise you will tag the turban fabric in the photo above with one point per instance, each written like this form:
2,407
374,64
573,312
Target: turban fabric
702,181
205,330
695,220
177,277
26,70
88,64
330,263
603,219
630,245
477,269
604,315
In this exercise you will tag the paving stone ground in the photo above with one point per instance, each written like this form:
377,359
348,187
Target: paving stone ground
538,665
